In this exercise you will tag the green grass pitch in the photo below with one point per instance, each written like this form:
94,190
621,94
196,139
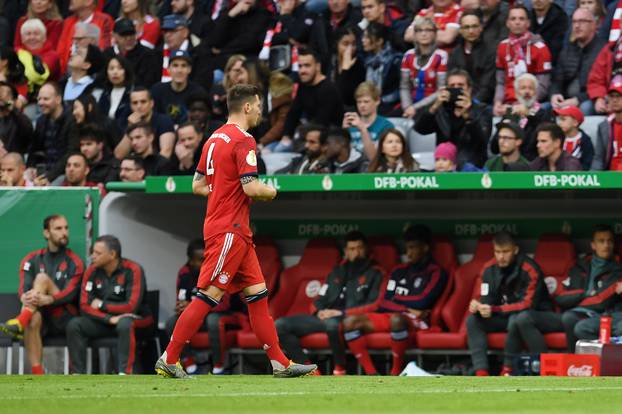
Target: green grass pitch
263,394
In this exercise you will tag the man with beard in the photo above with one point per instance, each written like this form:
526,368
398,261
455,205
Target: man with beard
313,160
103,167
527,113
199,113
49,285
76,171
12,168
510,138
551,155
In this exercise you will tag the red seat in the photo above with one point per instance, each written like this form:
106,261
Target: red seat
201,338
315,341
556,340
384,252
497,340
269,261
556,255
299,284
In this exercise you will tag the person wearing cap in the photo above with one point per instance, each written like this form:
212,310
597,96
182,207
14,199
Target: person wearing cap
608,148
170,97
577,142
445,157
144,61
510,137
85,62
551,156
199,23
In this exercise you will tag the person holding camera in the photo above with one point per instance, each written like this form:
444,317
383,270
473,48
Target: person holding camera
456,117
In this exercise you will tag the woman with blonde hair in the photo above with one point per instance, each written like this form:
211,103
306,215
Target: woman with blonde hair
392,155
147,26
47,12
280,99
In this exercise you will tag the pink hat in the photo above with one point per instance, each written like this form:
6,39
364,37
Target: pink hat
446,150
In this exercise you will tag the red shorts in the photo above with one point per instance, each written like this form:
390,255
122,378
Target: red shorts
229,263
382,321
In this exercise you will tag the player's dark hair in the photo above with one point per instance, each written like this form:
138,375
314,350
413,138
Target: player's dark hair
90,132
339,134
355,235
553,129
142,89
239,95
77,154
602,228
189,124
48,220
418,233
193,246
503,238
460,72
112,243
145,126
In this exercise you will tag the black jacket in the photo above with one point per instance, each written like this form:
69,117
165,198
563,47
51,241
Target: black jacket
302,165
16,132
155,164
602,298
104,171
528,147
495,29
470,137
514,289
146,63
565,162
123,110
552,30
51,143
481,66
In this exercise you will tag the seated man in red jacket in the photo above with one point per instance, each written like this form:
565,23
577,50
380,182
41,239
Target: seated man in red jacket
411,293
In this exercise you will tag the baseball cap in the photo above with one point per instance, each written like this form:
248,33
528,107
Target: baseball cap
512,126
180,54
173,21
572,111
616,84
124,27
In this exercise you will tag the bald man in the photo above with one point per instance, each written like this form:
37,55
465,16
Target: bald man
12,169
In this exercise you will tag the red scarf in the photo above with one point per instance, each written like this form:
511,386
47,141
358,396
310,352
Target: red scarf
519,45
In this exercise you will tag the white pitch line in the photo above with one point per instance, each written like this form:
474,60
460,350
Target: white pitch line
315,393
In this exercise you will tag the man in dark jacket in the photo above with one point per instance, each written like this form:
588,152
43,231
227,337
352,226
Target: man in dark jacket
103,167
312,161
510,283
570,74
475,56
141,140
457,118
551,154
15,127
551,22
494,13
608,148
592,289
342,157
353,287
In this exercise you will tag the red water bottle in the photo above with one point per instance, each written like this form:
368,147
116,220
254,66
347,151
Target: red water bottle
605,329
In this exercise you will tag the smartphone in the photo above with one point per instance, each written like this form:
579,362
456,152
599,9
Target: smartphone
454,94
41,169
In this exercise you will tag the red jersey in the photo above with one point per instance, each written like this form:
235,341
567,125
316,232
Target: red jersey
424,79
227,156
536,58
616,156
449,18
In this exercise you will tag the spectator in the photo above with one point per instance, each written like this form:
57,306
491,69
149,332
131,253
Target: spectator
423,68
608,148
455,117
344,159
200,113
293,25
523,52
84,63
103,167
348,70
551,156
40,60
550,22
382,66
85,111
494,17
313,160
366,126
115,97
280,102
235,73
47,12
445,158
607,66
527,113
52,132
598,9
77,171
141,137
144,62
12,171
446,17
510,137
170,97
132,169
49,285
12,72
199,24
248,21
412,291
570,74
141,103
147,26
389,15
111,304
188,147
317,99
393,155
592,290
15,128
83,11
353,287
577,143
476,57
510,283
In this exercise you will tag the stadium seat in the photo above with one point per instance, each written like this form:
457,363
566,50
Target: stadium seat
270,262
556,255
299,284
590,126
404,125
201,339
276,160
384,252
9,307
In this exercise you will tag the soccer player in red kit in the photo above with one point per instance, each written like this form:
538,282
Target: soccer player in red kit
227,174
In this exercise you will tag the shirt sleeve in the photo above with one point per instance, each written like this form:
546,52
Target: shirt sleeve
246,158
201,166
542,59
501,64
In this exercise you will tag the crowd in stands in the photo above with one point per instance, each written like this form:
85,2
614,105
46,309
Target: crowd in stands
133,84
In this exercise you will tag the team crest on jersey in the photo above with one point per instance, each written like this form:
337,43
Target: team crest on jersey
418,282
361,280
117,289
26,266
251,158
223,277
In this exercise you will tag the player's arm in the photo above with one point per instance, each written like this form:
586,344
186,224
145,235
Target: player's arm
199,185
257,190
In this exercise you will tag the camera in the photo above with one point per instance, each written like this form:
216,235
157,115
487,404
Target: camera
454,95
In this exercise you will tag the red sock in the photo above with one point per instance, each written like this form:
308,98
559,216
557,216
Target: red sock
481,373
263,326
187,325
37,369
24,317
358,347
398,349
